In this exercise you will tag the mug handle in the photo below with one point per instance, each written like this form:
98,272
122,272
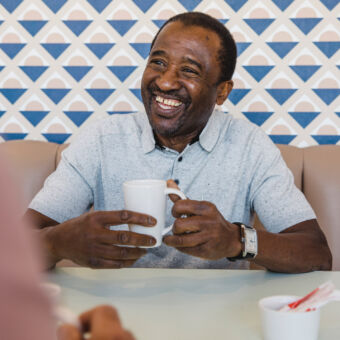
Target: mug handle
178,193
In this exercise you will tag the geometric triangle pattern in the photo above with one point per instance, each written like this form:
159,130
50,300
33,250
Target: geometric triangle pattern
145,5
258,117
11,5
99,49
58,138
77,60
304,118
241,47
236,4
305,71
77,26
100,95
281,95
55,49
258,72
99,5
33,72
122,72
282,48
34,117
12,95
282,4
78,72
11,49
54,5
33,26
122,26
78,117
327,95
259,25
282,139
329,48
306,24
142,48
330,4
326,139
56,95
190,5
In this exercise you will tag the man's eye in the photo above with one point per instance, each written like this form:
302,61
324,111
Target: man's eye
157,62
189,70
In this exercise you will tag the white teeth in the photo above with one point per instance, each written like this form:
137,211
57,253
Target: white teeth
168,102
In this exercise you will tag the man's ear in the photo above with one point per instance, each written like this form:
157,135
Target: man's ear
223,90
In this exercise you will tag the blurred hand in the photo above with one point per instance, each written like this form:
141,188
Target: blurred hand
102,323
203,232
87,240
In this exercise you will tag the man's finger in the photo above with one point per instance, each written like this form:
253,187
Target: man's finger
103,322
190,224
127,238
199,251
191,207
117,217
68,332
100,263
111,252
185,240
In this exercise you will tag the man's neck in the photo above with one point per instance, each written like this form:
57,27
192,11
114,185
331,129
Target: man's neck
177,143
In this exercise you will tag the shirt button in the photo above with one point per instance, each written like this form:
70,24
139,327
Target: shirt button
176,181
180,159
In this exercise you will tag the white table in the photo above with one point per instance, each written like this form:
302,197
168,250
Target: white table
176,304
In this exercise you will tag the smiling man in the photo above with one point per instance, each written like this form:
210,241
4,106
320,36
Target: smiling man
228,168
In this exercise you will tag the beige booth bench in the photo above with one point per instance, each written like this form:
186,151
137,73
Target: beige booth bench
316,170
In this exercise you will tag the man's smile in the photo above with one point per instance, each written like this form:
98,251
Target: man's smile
167,103
167,107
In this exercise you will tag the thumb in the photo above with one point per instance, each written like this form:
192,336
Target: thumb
172,184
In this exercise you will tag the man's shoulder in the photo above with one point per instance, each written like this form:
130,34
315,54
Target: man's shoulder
114,125
241,129
244,134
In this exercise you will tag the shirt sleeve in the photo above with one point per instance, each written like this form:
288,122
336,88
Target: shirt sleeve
278,203
68,192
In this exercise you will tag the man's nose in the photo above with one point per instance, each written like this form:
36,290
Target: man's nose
168,80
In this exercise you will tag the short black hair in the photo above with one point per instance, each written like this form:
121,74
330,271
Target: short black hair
228,51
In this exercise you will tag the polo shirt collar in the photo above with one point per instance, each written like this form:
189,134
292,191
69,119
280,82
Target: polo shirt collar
147,138
211,132
207,139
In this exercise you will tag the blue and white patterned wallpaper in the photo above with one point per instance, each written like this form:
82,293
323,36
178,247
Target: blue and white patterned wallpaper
66,63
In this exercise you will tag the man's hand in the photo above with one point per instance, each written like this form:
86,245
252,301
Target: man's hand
87,240
101,322
204,232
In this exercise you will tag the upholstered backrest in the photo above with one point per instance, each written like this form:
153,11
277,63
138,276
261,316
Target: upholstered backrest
316,172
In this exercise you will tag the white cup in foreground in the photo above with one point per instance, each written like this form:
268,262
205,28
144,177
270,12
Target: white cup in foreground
278,325
149,196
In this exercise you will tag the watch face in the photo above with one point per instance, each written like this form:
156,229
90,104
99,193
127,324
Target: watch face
250,241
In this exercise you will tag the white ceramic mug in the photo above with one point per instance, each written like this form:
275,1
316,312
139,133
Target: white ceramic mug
148,196
277,325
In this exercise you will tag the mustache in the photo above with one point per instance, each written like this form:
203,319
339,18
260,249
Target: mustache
175,94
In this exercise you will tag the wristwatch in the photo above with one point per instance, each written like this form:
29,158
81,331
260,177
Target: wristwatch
249,242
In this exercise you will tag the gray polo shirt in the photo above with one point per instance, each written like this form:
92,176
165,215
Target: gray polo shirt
233,165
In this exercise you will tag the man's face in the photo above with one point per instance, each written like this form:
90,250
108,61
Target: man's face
179,84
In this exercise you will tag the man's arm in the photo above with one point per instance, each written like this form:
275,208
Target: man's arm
87,240
206,234
300,248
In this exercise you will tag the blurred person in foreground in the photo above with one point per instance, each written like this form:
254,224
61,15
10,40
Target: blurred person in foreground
25,310
229,169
